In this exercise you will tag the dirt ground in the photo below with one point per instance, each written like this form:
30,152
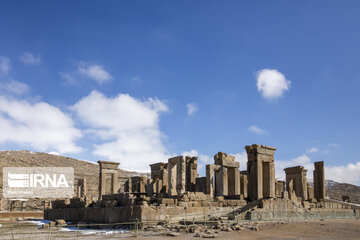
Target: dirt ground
300,230
317,230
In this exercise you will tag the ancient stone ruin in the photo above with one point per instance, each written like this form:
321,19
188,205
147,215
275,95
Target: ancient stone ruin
175,192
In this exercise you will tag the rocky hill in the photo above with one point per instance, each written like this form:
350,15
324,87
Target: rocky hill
335,190
82,169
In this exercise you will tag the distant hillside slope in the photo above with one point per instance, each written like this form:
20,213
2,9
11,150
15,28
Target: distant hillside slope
82,169
336,190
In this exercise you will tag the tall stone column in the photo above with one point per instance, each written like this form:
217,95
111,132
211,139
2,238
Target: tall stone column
114,182
244,185
221,182
319,181
233,182
261,171
176,175
209,180
191,173
102,183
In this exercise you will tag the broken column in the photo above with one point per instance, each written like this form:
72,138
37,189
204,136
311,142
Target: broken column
107,167
139,184
319,181
210,168
261,171
296,181
191,173
228,176
176,175
221,182
244,184
81,188
279,188
159,177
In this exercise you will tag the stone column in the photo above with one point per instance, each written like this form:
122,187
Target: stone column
244,185
176,175
221,182
114,183
261,171
81,188
319,181
209,180
233,182
191,173
102,183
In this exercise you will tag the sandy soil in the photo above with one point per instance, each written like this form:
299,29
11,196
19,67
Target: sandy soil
317,230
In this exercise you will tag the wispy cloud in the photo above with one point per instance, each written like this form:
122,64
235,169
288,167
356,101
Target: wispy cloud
137,80
95,72
30,59
14,87
334,145
257,130
312,150
4,65
85,71
191,108
271,83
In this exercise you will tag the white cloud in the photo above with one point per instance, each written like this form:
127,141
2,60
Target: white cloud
127,127
95,72
4,65
191,108
30,59
242,158
86,71
14,87
191,153
257,130
303,160
68,77
312,150
271,83
345,174
39,125
349,173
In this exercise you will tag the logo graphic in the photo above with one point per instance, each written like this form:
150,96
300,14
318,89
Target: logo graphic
42,182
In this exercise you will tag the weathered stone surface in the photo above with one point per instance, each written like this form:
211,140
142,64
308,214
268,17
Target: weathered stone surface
176,175
225,160
191,173
107,167
296,181
261,171
234,182
319,181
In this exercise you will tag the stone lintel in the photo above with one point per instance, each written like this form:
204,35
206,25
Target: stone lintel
262,149
108,164
294,170
225,160
158,165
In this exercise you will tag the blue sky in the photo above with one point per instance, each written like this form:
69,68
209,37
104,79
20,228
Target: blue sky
139,81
